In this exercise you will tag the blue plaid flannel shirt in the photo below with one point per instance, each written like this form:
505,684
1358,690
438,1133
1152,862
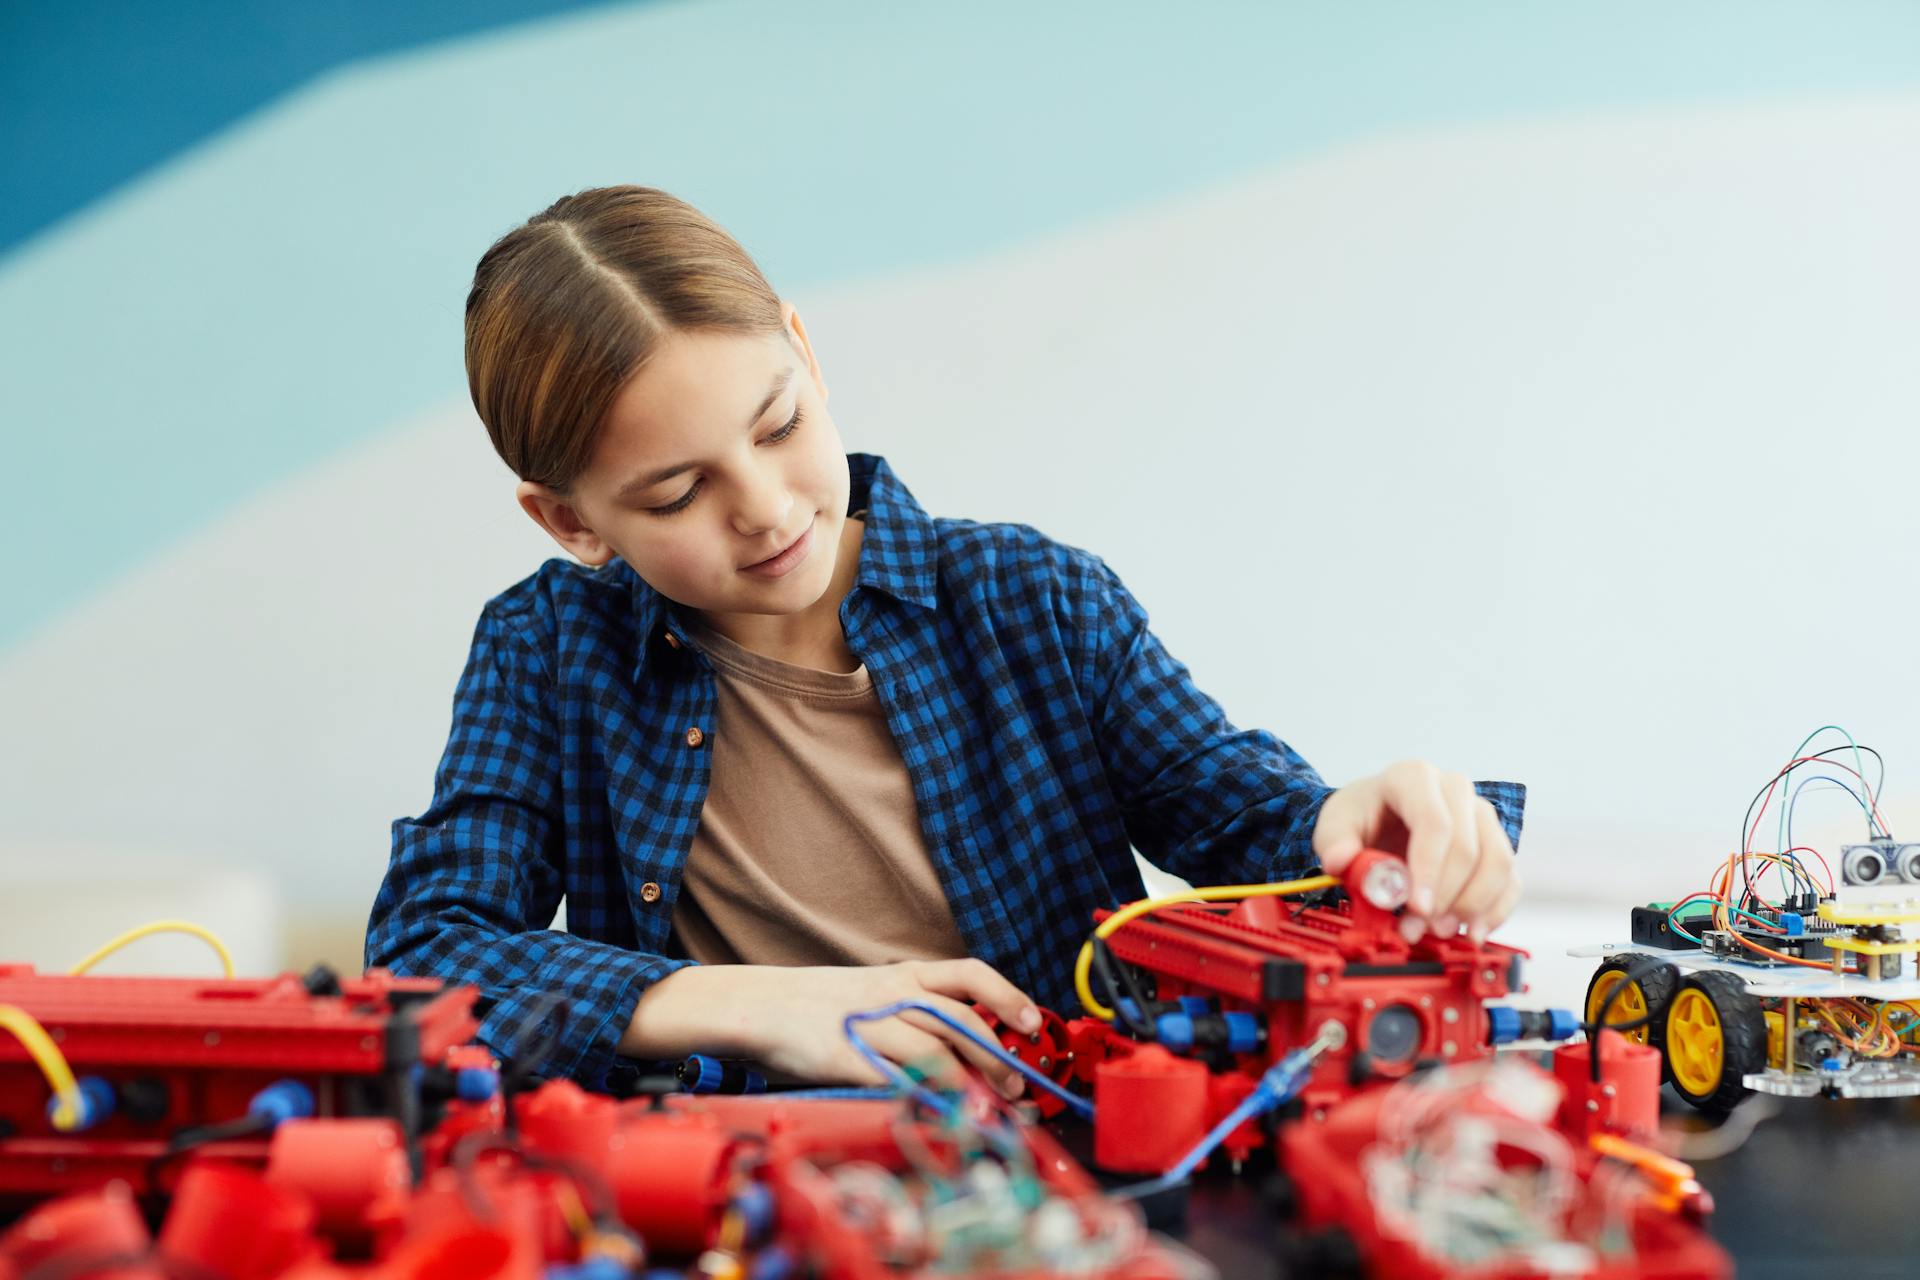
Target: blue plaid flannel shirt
1046,731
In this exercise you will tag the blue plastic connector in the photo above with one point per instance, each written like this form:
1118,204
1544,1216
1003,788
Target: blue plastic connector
1194,1006
1832,1065
772,1264
281,1101
1794,923
1561,1024
1243,1031
475,1084
1503,1024
757,1212
1175,1031
95,1103
701,1073
600,1267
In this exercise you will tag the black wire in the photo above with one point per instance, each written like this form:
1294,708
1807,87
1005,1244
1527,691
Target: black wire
597,1193
1135,1018
185,1142
1636,969
1746,878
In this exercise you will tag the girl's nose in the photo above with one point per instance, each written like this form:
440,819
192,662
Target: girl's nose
763,506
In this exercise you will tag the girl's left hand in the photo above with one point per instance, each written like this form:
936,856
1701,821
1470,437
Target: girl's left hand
1458,856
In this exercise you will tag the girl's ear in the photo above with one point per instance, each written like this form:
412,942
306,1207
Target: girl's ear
557,516
797,338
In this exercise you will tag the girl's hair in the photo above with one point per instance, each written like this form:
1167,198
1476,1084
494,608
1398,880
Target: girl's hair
566,308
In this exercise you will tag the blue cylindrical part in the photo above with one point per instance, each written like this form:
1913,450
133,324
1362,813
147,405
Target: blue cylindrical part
600,1267
1195,1005
1175,1031
475,1084
1503,1024
1243,1031
701,1074
281,1101
1561,1024
773,1264
94,1105
755,1206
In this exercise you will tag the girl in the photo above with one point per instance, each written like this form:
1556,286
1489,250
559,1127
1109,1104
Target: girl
787,746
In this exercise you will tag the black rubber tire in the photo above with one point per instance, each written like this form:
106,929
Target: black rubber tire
1743,1040
1658,983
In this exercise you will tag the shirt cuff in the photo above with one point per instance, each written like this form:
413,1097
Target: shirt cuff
1509,799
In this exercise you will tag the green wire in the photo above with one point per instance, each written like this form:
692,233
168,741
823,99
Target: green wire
1781,838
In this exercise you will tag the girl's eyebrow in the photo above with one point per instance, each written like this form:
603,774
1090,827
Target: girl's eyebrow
780,383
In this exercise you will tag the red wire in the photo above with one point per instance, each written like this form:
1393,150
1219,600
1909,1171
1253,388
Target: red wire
1873,803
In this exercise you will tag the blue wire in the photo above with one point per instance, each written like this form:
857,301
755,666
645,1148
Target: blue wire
1081,1107
1281,1081
848,1094
1826,777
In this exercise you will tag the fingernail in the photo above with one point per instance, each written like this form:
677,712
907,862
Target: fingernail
1446,926
1478,933
1411,927
1029,1019
1013,1088
1423,901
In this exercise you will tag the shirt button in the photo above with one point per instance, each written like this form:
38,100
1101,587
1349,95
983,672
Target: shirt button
650,892
673,641
695,737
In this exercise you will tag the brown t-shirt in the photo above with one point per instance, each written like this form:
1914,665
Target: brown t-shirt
809,849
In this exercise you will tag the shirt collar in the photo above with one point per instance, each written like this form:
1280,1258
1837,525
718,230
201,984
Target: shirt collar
898,551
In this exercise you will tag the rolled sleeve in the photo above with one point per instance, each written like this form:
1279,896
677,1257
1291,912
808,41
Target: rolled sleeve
473,881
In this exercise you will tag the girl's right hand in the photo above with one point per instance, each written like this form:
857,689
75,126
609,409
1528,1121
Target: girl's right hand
793,1020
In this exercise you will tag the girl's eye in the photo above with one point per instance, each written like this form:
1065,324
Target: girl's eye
793,425
682,502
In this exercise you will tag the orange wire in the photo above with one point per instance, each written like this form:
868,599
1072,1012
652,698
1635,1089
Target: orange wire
1723,884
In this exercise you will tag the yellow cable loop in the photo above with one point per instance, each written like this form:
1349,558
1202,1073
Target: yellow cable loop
52,1063
159,926
1083,967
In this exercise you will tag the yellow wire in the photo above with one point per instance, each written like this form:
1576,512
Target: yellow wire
1083,967
52,1063
159,926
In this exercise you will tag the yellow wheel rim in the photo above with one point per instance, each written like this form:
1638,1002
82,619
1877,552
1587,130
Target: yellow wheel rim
1630,1007
1696,1047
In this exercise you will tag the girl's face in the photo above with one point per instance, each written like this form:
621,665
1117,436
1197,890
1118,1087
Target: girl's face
718,476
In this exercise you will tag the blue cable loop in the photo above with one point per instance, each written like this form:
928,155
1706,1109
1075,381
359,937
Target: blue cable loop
1081,1107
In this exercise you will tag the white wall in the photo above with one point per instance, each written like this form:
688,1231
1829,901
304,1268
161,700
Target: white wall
1578,451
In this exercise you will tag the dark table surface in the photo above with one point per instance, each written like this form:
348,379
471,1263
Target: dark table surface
1821,1188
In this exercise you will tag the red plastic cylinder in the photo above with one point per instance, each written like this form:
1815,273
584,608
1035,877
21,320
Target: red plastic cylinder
463,1253
233,1222
1150,1108
93,1224
1627,1099
668,1176
352,1170
562,1119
